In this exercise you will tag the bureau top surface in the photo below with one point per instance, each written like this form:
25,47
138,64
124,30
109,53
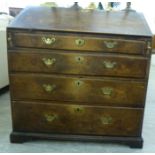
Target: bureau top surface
77,20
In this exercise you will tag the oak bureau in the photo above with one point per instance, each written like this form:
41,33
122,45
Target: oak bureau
78,75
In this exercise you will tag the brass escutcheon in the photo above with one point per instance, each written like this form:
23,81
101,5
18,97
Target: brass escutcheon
48,40
78,83
48,61
110,44
107,91
109,64
79,109
79,59
79,42
49,88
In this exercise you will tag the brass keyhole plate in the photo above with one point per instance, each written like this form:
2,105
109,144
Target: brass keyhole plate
78,83
79,59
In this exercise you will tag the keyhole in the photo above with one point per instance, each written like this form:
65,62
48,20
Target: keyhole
79,59
80,42
78,83
78,109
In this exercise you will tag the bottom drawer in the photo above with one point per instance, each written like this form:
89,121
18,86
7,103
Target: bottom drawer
76,119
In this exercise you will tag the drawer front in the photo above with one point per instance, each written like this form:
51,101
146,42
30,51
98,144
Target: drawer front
76,119
78,42
91,90
77,63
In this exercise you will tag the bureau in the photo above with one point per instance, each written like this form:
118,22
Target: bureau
78,75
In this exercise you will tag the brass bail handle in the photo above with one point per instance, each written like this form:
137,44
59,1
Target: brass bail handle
106,120
49,88
107,91
50,117
48,40
109,64
110,44
149,46
49,61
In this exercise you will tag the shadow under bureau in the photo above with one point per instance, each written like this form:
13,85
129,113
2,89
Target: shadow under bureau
78,75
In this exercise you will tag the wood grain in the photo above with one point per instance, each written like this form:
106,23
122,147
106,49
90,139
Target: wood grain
77,63
78,74
89,90
124,122
68,42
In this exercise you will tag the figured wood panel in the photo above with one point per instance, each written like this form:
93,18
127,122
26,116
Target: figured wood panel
96,91
76,119
77,63
51,40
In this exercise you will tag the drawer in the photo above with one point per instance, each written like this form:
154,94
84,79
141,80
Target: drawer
78,42
101,91
77,63
76,119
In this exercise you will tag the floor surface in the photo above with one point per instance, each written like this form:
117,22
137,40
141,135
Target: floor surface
59,146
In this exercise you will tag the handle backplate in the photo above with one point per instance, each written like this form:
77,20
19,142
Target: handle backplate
50,117
109,64
49,88
110,44
48,40
106,120
49,61
107,91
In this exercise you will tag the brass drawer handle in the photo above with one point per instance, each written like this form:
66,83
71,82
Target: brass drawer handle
50,117
9,38
106,120
107,91
49,88
149,47
48,41
109,64
48,61
79,42
110,44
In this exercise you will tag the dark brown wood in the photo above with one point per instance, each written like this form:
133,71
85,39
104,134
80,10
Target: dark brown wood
78,63
74,20
76,119
20,137
78,75
78,89
68,42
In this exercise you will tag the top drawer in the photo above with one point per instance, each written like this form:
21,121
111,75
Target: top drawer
77,42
